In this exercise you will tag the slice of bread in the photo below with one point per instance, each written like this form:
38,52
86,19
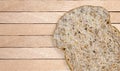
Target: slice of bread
88,39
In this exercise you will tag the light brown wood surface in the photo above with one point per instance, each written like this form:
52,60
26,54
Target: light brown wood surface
27,27
40,17
30,53
49,5
33,65
31,29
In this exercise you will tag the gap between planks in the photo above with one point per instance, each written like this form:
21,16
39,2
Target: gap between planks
55,5
33,65
28,41
41,17
31,41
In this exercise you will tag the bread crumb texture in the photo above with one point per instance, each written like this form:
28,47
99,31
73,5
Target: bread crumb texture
89,41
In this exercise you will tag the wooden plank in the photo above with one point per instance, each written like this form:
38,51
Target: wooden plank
30,41
30,29
26,41
114,17
40,17
27,29
33,65
38,5
31,53
27,17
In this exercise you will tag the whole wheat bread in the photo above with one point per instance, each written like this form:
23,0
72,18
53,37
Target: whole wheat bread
89,41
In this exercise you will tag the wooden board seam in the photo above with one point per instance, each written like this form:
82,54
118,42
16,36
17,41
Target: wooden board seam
43,11
40,23
32,59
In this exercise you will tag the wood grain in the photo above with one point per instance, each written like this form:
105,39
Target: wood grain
31,53
31,29
26,17
40,5
30,41
27,29
40,17
26,41
33,65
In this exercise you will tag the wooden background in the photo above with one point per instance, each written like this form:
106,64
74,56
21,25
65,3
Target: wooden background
26,29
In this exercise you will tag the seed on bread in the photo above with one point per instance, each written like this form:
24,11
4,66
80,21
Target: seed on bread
88,39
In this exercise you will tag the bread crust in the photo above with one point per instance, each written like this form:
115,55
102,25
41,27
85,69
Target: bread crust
73,55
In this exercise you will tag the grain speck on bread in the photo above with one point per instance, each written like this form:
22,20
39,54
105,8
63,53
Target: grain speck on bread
89,40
